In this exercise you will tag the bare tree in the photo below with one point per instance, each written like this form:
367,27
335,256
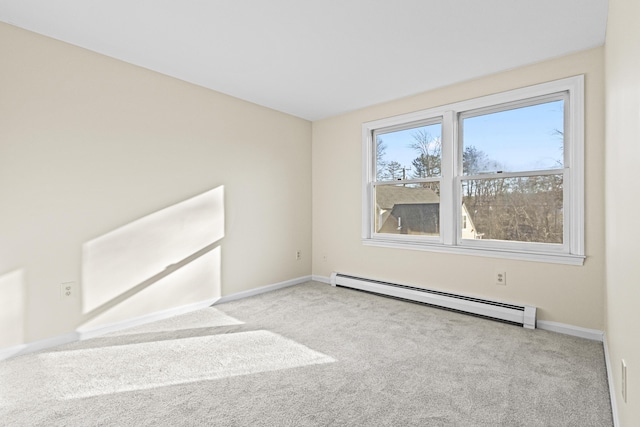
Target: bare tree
381,163
393,171
429,160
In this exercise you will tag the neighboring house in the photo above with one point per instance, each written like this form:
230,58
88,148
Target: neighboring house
468,228
414,210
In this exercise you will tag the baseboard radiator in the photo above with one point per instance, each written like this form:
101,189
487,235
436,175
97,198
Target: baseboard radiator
517,314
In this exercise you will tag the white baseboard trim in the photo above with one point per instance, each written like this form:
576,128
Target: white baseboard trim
321,279
576,331
84,334
263,289
612,389
34,346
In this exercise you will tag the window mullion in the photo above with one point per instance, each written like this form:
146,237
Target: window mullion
449,214
368,176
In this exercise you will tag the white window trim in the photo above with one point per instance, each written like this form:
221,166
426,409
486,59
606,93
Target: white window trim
570,252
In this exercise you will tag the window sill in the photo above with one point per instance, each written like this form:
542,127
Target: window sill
554,258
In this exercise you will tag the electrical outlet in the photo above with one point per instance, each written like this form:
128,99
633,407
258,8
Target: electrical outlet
500,278
67,290
624,381
298,255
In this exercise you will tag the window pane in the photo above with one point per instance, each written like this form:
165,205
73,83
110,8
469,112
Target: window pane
408,209
409,153
521,139
524,209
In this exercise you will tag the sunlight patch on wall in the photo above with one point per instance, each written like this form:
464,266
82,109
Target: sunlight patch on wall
198,280
166,259
12,308
107,370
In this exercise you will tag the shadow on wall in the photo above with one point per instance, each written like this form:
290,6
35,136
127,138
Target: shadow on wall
12,308
167,259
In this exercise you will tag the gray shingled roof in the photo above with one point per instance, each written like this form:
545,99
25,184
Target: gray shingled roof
387,196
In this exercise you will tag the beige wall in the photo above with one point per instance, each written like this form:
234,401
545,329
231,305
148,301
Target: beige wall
98,156
622,60
110,173
566,294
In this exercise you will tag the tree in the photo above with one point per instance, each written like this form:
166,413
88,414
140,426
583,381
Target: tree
428,163
473,160
525,209
381,163
420,166
393,171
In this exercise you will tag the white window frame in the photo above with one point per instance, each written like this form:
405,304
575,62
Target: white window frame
571,251
401,237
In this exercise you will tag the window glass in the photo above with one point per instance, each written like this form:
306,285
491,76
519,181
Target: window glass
408,209
520,139
410,153
523,209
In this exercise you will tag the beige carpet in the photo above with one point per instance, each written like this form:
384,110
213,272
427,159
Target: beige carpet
312,355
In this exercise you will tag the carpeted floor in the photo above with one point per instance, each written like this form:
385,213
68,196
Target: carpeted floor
312,355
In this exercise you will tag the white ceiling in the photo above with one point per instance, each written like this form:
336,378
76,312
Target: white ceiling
319,58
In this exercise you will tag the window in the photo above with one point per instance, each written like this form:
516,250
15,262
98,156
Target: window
410,155
499,176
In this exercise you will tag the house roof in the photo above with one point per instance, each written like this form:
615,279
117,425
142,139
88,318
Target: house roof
387,196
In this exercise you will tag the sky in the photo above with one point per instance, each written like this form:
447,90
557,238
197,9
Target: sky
522,139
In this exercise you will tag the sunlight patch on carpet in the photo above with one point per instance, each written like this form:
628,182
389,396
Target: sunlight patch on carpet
93,372
206,318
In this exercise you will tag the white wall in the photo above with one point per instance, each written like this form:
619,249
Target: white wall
110,175
623,154
566,294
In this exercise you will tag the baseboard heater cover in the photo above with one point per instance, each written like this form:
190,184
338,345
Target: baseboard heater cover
518,314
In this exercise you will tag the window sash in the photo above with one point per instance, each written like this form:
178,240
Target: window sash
406,126
377,133
563,247
514,105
